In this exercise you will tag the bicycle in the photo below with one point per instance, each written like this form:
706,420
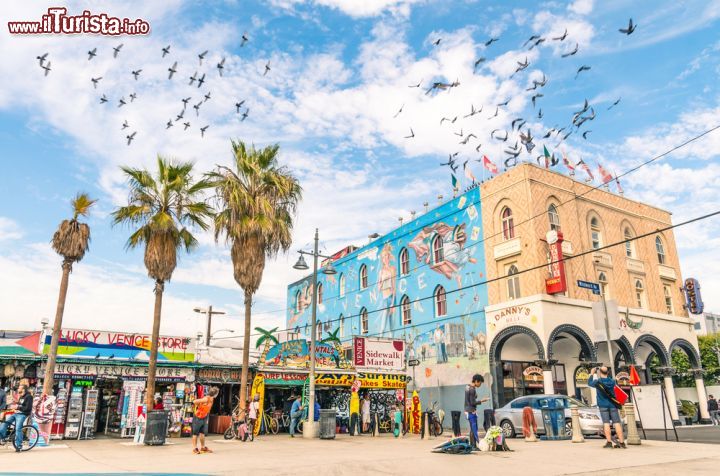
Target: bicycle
30,436
436,418
270,421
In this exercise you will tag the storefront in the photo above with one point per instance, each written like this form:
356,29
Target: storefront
227,381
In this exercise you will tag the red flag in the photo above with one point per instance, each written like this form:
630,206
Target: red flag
585,167
605,176
568,164
617,182
487,163
634,377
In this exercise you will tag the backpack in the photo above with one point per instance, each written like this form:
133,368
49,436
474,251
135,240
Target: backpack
618,397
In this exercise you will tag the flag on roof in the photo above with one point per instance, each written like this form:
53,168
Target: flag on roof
585,167
617,182
454,181
487,163
605,176
468,172
547,157
568,164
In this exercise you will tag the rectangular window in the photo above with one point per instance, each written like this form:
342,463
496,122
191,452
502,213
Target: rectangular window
595,240
668,299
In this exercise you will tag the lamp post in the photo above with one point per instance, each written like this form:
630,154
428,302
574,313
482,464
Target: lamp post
309,429
209,312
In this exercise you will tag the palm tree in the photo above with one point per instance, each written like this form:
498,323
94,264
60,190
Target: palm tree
71,241
268,338
160,209
257,200
333,339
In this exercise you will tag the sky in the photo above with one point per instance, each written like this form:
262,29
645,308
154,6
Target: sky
338,101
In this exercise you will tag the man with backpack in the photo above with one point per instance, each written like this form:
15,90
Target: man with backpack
201,420
609,405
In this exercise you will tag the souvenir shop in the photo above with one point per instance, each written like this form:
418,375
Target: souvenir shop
227,380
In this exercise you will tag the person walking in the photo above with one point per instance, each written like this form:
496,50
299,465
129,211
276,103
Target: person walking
253,410
471,403
296,412
366,413
712,407
604,385
23,408
201,420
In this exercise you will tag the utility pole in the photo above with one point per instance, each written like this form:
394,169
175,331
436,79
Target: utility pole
209,312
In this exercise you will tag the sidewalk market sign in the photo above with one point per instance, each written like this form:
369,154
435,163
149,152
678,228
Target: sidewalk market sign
125,372
120,346
296,354
379,354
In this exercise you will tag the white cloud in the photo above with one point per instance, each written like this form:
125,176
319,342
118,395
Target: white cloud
356,8
581,7
9,230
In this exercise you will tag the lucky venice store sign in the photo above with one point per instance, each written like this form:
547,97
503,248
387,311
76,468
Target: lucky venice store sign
119,371
381,354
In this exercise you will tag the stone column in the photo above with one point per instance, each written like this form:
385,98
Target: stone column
702,396
670,394
548,385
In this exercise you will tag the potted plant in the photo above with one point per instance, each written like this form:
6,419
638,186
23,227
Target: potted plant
688,411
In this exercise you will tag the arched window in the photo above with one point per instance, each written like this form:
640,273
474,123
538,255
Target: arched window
629,244
405,308
341,285
363,277
438,251
508,225
404,262
595,233
604,287
639,293
363,321
668,299
553,217
320,292
660,248
440,302
319,330
513,282
297,302
341,322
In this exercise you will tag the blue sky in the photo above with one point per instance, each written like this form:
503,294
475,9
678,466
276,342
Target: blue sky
340,71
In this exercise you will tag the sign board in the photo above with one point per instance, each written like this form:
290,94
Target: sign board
533,376
653,408
693,299
582,375
366,379
120,346
594,287
284,378
219,375
296,354
163,374
381,354
556,284
599,320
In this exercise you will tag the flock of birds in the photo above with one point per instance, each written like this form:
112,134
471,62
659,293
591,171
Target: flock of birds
196,80
524,139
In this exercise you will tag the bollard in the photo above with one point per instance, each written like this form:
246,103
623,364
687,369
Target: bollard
632,437
529,425
577,436
376,425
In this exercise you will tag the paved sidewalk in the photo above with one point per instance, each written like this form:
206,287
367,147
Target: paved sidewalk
279,455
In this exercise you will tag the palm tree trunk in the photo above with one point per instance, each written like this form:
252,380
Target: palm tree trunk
246,351
57,328
152,366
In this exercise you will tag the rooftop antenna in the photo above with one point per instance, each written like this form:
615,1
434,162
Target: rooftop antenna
425,204
412,215
400,220
440,199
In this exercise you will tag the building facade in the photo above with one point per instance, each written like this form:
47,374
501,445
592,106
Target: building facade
465,286
706,323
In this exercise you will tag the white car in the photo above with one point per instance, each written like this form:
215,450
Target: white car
510,417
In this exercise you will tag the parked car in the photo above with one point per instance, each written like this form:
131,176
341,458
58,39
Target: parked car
510,417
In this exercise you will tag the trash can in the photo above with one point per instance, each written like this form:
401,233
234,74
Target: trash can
455,422
553,416
156,427
327,424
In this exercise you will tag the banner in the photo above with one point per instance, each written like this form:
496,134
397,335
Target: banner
693,299
127,372
120,346
381,354
367,380
555,284
296,354
219,375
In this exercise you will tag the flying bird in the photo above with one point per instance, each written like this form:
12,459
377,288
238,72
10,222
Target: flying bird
491,41
451,121
540,114
185,101
172,70
186,124
166,51
537,42
202,130
459,135
180,116
197,108
201,56
41,59
267,68
536,96
584,134
581,69
122,102
532,38
415,85
125,125
504,139
221,66
399,111
133,96
505,103
131,137
586,106
571,53
437,42
92,53
103,99
201,80
412,134
238,105
116,50
245,115
630,28
497,109
473,111
207,97
477,63
193,78
515,121
169,124
245,39
521,67
561,37
614,104
95,81
136,73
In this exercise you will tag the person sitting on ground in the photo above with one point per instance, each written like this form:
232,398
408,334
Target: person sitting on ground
201,420
604,385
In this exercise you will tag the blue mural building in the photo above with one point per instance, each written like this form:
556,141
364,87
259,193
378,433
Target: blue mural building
415,283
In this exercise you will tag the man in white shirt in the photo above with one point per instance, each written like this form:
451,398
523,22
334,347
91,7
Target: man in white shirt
253,411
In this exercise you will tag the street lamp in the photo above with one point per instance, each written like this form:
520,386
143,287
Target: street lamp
209,311
310,430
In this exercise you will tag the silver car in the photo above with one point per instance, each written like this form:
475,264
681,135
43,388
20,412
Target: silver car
510,417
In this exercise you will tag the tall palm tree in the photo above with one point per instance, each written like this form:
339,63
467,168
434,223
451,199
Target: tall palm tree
160,209
257,200
266,337
71,241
